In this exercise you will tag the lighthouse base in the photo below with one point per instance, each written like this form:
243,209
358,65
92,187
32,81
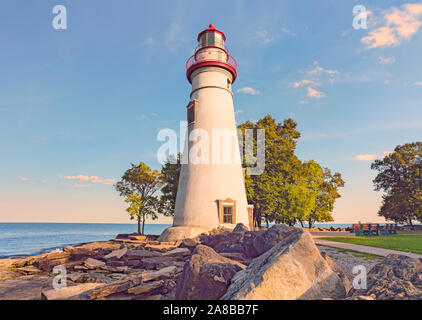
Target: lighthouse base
181,232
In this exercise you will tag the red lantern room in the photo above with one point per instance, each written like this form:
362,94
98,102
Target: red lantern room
211,51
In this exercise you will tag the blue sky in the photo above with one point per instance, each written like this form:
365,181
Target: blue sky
85,102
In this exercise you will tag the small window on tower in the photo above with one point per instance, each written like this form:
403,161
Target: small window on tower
229,84
191,112
228,214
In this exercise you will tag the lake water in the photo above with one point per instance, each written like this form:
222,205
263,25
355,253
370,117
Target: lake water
21,239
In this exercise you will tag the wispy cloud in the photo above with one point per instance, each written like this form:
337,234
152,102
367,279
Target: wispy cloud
248,90
264,37
397,24
92,179
419,83
386,60
24,179
316,76
149,116
305,82
313,93
320,70
365,157
238,111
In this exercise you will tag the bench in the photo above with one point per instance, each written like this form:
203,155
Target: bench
372,229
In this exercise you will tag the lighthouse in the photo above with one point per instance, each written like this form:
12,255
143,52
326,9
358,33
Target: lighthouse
211,191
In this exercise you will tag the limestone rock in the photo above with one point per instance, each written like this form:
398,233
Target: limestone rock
397,277
142,254
160,274
116,254
91,263
77,292
177,252
157,262
188,243
206,276
240,227
266,240
106,290
340,273
292,269
146,287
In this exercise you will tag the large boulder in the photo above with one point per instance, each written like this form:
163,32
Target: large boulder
249,243
397,277
292,269
206,276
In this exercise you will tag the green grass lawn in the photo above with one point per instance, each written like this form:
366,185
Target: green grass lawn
401,242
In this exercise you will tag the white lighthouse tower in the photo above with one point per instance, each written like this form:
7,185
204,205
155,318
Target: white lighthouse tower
211,190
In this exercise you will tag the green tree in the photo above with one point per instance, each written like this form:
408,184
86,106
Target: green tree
170,173
326,187
400,178
270,192
288,191
139,186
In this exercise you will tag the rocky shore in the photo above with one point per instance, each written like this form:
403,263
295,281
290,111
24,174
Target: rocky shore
279,263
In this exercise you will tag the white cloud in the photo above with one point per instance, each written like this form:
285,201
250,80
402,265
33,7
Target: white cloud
365,157
313,93
387,152
92,179
238,111
24,179
417,83
305,82
247,90
264,37
303,102
287,31
320,70
398,24
386,60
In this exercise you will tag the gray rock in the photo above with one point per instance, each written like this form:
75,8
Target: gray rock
206,276
240,227
397,277
91,263
292,269
77,292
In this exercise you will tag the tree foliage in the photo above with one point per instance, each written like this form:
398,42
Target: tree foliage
289,190
139,186
400,178
170,173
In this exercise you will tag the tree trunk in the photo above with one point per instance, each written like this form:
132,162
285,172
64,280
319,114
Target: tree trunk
143,224
301,223
139,225
310,223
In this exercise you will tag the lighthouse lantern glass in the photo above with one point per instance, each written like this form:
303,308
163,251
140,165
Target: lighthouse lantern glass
214,39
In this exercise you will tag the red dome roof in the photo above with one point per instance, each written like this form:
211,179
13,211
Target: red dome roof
211,28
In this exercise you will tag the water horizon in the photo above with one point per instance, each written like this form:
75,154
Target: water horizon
20,239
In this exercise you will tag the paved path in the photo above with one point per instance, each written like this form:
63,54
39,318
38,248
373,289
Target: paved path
366,249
